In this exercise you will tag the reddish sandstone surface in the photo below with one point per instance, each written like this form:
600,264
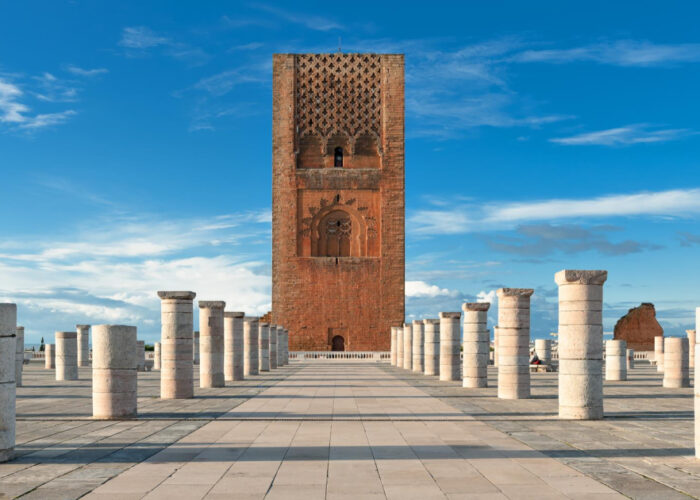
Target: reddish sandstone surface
639,327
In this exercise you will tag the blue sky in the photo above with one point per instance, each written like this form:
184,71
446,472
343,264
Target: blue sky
135,151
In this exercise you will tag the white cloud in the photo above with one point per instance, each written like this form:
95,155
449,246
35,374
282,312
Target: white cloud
18,115
423,289
623,136
76,70
11,110
141,37
316,23
489,297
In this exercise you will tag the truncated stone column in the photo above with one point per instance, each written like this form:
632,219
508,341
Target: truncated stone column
83,332
195,348
156,356
691,347
264,347
50,356
19,356
475,346
418,346
273,347
543,348
495,346
176,363
8,390
393,346
659,353
407,346
431,350
211,343
449,346
676,370
580,343
615,360
630,359
282,335
250,346
233,345
514,343
114,371
696,390
399,346
140,355
67,356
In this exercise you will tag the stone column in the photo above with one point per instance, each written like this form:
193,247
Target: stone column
211,343
393,346
83,332
696,390
543,348
140,347
407,346
475,345
495,346
676,371
114,371
195,347
156,356
233,345
418,346
659,353
514,343
616,360
50,356
176,363
273,347
449,346
630,359
399,346
66,356
19,356
8,390
264,347
691,347
431,349
250,346
580,344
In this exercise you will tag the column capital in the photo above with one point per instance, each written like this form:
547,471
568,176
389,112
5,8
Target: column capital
212,304
476,306
515,292
177,295
234,314
450,315
580,277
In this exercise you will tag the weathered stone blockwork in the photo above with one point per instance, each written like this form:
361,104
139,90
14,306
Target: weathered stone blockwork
338,233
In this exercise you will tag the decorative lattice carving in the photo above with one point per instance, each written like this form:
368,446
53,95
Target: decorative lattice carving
338,94
339,225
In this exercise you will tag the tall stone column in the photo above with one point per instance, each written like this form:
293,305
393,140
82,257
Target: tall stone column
211,343
273,347
543,348
630,359
176,363
407,346
431,348
659,353
114,371
66,356
156,355
250,346
676,370
83,332
495,346
50,356
514,343
696,390
691,347
8,389
393,346
399,347
449,346
264,347
19,356
195,347
580,343
475,345
140,347
418,346
233,345
616,360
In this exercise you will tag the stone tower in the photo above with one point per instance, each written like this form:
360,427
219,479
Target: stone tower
338,199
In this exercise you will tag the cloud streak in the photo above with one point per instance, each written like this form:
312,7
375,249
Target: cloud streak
623,136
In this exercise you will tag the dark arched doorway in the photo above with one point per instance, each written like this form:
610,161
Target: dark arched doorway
338,343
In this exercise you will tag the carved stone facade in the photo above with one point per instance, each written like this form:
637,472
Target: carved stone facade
338,199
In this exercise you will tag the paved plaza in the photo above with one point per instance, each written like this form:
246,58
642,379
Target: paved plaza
342,429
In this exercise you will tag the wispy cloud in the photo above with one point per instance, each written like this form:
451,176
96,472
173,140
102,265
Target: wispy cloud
17,115
138,41
310,21
76,70
624,136
141,37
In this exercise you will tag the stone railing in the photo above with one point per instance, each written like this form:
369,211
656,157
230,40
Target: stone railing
353,355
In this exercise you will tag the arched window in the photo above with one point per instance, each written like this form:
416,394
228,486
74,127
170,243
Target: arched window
338,157
338,343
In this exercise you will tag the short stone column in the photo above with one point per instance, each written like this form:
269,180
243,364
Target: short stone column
449,346
418,346
140,355
696,390
251,331
50,356
114,379
19,356
8,389
407,346
195,347
211,343
676,370
393,346
691,347
67,356
399,346
431,348
264,347
580,343
233,345
176,363
616,360
630,359
83,332
273,347
514,343
495,346
156,355
475,345
659,353
543,349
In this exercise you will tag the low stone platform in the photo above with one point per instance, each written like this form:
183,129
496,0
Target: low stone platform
342,429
